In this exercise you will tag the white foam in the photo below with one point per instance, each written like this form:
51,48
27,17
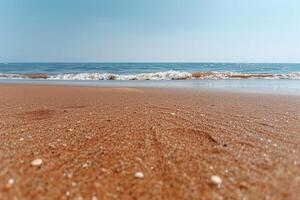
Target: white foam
11,76
168,75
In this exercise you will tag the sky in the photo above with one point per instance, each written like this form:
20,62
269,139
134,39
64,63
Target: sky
149,31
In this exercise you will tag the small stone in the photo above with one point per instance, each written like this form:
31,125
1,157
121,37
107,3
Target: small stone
88,137
70,129
86,165
69,175
36,162
10,182
139,175
173,114
21,139
51,145
216,180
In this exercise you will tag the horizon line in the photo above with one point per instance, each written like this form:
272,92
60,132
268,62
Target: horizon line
146,62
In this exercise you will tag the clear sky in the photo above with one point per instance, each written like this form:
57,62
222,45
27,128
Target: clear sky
150,30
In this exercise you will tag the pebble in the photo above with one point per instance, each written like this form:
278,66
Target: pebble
216,180
86,165
10,182
173,114
36,162
139,175
21,139
88,137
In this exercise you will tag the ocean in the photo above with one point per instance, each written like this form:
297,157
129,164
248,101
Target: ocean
266,77
148,71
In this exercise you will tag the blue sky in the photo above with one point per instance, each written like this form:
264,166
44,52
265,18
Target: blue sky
150,30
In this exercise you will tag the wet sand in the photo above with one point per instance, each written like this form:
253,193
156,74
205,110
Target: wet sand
125,143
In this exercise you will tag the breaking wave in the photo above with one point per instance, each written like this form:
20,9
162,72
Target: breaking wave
167,75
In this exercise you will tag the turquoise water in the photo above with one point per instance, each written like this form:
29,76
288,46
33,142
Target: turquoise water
137,68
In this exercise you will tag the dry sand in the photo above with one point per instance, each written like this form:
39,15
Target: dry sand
103,143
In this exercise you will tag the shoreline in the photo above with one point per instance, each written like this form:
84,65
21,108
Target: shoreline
145,143
276,87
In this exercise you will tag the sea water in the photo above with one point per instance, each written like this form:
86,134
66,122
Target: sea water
259,77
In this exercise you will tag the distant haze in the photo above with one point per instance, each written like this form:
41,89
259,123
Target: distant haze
149,31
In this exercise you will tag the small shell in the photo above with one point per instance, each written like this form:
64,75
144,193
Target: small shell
216,180
36,162
139,175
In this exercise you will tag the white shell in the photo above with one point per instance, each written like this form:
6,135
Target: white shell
216,180
36,162
139,175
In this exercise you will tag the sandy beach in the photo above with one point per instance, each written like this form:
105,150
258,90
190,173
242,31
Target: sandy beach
66,142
